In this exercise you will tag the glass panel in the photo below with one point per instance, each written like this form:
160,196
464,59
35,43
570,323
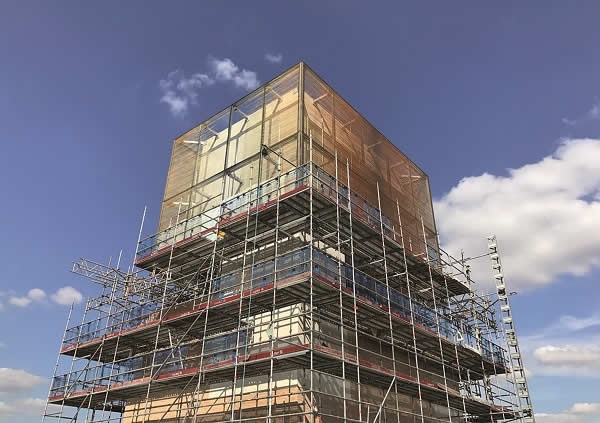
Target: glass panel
205,196
246,127
212,147
350,130
401,181
181,169
279,159
318,111
419,185
376,152
281,108
241,178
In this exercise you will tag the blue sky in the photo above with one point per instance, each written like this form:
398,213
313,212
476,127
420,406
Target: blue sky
467,90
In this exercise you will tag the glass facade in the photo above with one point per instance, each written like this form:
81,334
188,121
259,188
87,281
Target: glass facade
221,158
228,155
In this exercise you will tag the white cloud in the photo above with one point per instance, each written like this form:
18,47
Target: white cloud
273,58
189,86
585,408
227,71
180,92
545,215
593,113
580,412
17,380
19,301
246,79
177,105
64,296
570,346
6,410
570,357
67,295
34,295
224,69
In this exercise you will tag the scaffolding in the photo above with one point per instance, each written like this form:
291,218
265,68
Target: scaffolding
295,276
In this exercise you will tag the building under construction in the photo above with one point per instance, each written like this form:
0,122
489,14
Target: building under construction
295,276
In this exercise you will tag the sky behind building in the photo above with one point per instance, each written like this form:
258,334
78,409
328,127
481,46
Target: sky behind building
499,104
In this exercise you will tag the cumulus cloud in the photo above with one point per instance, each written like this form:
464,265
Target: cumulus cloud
570,357
177,105
593,113
64,296
19,301
34,294
227,71
273,58
180,92
67,295
224,69
585,408
17,380
6,410
545,215
580,412
189,86
569,346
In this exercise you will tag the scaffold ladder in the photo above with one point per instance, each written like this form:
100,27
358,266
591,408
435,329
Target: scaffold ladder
514,352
